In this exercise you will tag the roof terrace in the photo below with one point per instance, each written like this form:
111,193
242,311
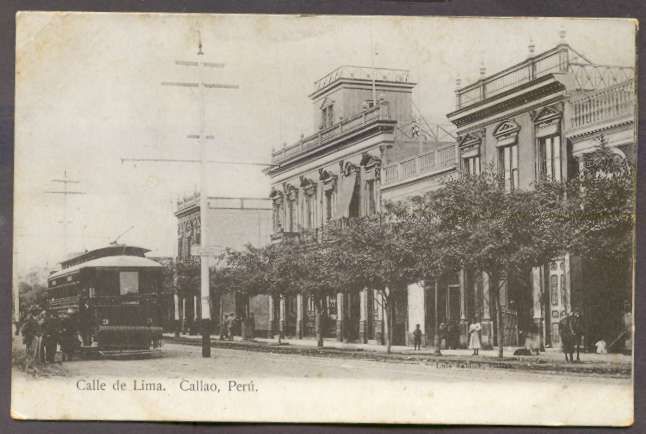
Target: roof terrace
561,59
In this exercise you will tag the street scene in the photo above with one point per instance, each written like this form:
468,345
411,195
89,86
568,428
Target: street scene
249,203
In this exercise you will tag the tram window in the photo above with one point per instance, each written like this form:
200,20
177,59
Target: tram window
129,282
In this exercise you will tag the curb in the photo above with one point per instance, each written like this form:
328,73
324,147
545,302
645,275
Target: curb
511,363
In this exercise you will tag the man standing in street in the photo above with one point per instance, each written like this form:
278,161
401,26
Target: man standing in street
51,334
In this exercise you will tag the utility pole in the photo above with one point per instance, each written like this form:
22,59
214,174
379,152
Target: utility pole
200,65
66,181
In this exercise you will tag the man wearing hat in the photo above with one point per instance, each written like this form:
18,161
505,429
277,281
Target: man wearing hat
68,335
28,331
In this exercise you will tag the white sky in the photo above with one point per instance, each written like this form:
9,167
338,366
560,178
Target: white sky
88,93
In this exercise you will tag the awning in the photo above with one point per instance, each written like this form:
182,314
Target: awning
344,194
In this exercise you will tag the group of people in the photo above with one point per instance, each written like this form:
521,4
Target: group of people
230,323
44,331
447,332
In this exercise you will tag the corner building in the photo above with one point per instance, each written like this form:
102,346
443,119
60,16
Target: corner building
335,174
537,119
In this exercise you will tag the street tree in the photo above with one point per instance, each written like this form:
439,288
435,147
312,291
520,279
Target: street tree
372,252
479,225
600,218
600,208
318,277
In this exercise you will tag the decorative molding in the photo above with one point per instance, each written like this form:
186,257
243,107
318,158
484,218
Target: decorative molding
371,165
276,195
291,192
547,114
308,185
505,128
506,133
328,179
326,102
504,104
472,138
346,167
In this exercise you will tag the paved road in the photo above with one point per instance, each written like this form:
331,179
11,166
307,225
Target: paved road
279,387
184,360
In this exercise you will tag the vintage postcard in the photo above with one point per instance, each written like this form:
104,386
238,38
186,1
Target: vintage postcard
357,219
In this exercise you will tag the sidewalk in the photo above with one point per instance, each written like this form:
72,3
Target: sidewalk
552,360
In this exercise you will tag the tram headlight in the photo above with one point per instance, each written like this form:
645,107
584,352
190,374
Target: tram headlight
105,321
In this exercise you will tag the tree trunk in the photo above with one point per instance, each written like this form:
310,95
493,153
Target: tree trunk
499,319
387,322
317,324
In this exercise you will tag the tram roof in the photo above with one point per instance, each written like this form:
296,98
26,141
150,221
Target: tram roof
118,261
111,250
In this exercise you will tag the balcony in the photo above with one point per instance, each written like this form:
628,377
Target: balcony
327,135
429,162
604,106
559,60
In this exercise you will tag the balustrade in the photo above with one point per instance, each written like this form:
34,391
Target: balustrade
439,159
323,136
607,104
559,60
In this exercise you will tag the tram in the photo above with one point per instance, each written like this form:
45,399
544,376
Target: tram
114,296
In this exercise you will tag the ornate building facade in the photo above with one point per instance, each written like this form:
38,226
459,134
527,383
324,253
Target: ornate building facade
370,148
335,174
535,120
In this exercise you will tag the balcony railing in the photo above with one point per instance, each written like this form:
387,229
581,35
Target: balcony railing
613,102
363,73
326,135
561,59
443,158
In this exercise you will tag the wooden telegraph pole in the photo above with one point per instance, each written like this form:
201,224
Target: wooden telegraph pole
200,66
66,181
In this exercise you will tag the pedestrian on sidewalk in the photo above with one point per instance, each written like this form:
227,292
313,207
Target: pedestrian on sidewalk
474,335
417,337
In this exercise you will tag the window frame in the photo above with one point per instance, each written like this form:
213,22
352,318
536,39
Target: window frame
508,159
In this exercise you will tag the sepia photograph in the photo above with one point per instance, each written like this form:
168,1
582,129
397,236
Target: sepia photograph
324,219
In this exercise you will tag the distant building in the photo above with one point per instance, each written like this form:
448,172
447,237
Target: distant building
233,223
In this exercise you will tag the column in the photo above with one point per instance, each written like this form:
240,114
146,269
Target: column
282,319
176,323
363,318
183,314
299,316
487,325
536,340
464,321
270,319
340,316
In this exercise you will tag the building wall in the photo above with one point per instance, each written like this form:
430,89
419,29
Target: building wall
352,98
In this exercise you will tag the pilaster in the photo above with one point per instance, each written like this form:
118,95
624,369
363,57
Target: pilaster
282,320
299,316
